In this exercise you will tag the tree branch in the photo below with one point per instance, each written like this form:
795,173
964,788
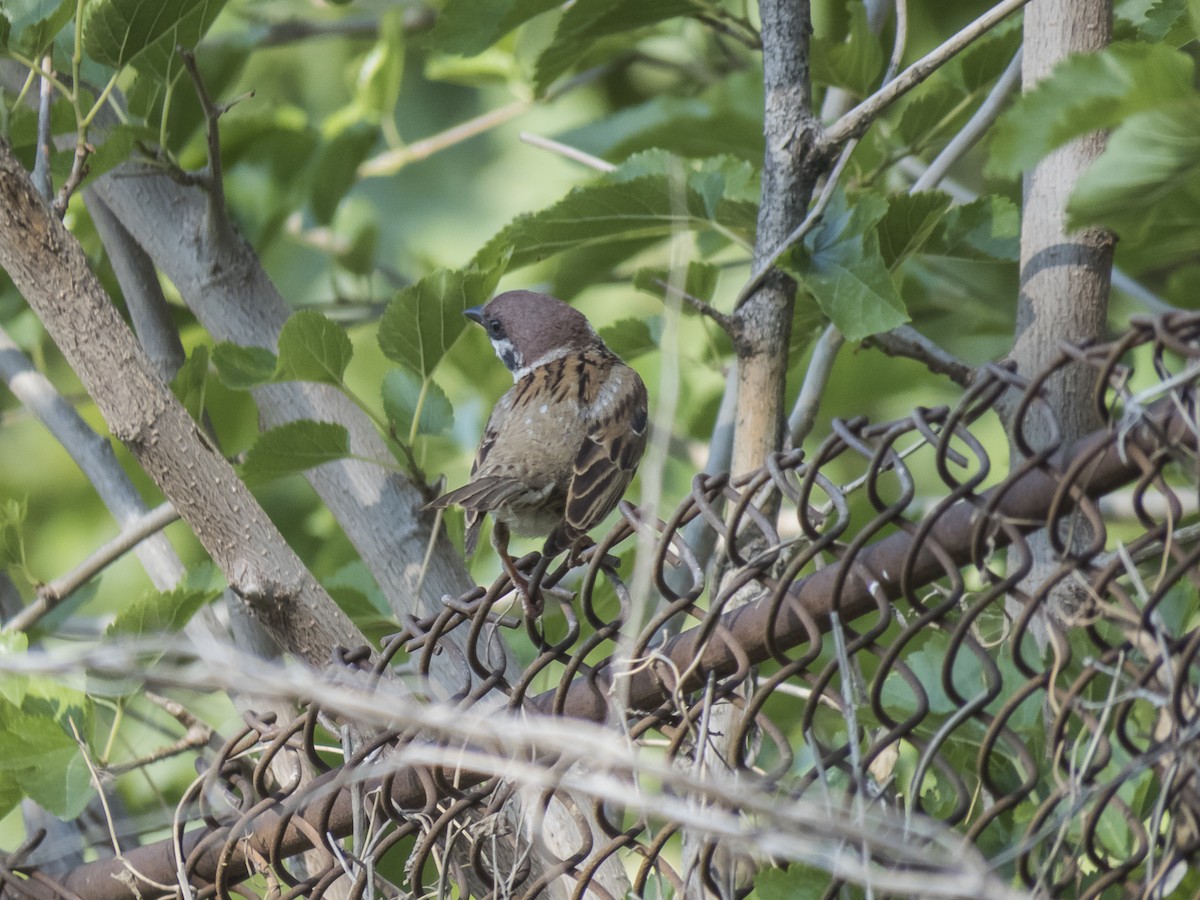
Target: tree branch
47,265
855,122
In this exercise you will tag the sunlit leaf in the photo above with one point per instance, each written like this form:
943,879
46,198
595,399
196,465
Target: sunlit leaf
423,320
160,611
1086,92
311,348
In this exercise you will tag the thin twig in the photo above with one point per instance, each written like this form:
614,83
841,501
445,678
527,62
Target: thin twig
198,735
54,592
212,113
980,122
392,161
907,342
810,222
727,323
855,122
41,162
900,42
571,153
816,378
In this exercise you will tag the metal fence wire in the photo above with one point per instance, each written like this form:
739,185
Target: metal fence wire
858,660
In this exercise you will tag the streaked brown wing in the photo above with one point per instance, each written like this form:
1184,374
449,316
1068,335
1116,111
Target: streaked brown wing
478,495
603,469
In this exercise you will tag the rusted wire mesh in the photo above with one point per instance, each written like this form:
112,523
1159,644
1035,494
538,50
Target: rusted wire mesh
862,666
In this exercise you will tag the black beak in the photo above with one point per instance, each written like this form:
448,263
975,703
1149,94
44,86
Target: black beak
474,313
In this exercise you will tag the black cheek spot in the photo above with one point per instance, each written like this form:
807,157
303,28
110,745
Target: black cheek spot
509,357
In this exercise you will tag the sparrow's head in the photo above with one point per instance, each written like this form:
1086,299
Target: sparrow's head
528,329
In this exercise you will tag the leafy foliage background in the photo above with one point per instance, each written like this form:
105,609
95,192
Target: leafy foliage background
379,227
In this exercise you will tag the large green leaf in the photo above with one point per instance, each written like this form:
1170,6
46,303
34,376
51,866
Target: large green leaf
841,266
295,447
1086,92
585,22
160,611
423,320
909,222
988,228
471,26
648,198
117,31
1146,183
32,24
311,348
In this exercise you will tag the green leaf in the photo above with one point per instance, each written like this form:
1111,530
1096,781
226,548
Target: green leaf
242,368
928,113
5,31
35,23
188,383
311,348
986,228
585,22
337,167
13,687
1152,156
796,882
631,338
641,200
117,31
908,223
160,611
423,320
1084,93
12,538
1193,8
854,60
471,26
38,751
725,119
296,447
402,397
845,271
1167,20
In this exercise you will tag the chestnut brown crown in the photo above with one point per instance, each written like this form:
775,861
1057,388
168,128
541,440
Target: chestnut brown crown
529,329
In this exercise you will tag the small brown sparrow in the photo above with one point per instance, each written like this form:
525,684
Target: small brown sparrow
562,445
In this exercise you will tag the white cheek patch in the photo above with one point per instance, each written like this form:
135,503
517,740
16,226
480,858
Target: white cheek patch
508,353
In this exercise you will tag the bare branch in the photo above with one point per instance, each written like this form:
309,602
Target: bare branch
726,323
571,153
58,590
49,268
816,378
907,342
973,130
212,114
855,122
41,163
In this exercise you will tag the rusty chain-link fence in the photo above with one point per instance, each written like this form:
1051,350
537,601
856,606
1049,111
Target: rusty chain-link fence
860,680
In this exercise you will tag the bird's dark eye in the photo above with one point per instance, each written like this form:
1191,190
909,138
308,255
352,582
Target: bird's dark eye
495,329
